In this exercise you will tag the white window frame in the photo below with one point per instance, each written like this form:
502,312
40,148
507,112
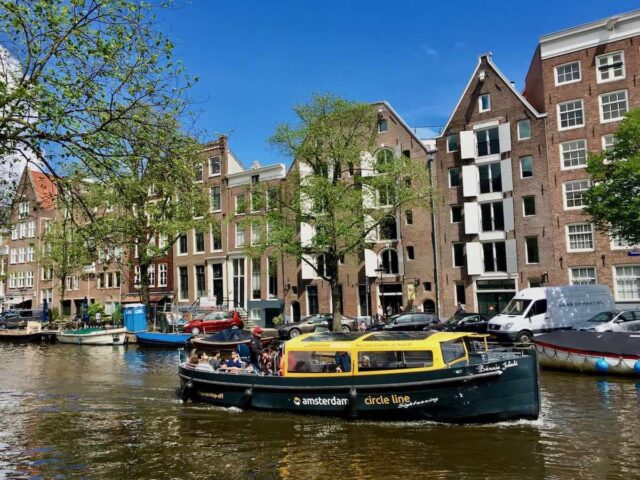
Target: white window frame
453,254
570,127
163,271
236,203
151,274
461,207
459,176
613,79
601,106
178,252
255,233
195,243
535,210
240,228
568,238
564,193
447,142
566,82
526,250
518,128
30,254
28,280
616,244
201,172
571,277
488,97
211,209
573,167
219,166
522,170
615,283
212,236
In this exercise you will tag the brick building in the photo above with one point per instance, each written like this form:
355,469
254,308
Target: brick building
493,220
585,78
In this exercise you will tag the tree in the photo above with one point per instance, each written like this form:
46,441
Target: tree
149,197
74,72
613,202
339,196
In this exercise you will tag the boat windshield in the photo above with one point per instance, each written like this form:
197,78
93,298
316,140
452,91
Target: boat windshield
603,317
516,307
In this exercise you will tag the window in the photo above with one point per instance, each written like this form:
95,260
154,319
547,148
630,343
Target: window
312,300
452,351
215,200
198,172
458,255
456,213
29,279
116,276
627,282
531,244
618,244
580,237
488,141
524,129
484,103
272,263
136,275
529,205
151,274
460,294
408,215
14,233
214,166
198,237
387,229
608,142
21,254
568,73
14,256
613,106
200,281
108,280
495,257
31,229
182,244
452,142
183,278
573,154
570,114
162,275
47,273
383,126
386,196
573,193
216,237
454,177
257,201
410,253
393,360
582,275
255,233
389,261
492,216
255,278
490,178
610,66
272,197
239,236
30,254
240,204
526,166
23,209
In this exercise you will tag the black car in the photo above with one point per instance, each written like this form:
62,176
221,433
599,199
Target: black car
467,322
405,322
11,319
310,323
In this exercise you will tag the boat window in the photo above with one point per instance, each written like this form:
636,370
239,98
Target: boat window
452,351
516,307
334,337
393,360
316,362
395,336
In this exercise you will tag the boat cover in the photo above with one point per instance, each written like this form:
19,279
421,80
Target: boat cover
624,344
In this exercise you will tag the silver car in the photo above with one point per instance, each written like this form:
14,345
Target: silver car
612,321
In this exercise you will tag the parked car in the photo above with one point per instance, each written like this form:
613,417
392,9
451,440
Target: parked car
213,322
612,321
12,319
312,322
467,322
406,322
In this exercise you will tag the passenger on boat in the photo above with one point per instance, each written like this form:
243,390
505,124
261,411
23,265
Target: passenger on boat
343,362
215,360
193,359
204,364
255,347
234,363
266,362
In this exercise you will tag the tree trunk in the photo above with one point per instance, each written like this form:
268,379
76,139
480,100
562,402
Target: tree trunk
145,296
336,300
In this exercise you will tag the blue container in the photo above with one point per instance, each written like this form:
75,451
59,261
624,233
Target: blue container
135,317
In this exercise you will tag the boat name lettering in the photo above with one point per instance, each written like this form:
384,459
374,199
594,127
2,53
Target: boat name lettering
320,401
498,368
387,399
218,396
419,402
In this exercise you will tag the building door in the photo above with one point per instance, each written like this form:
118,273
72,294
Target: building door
429,306
295,311
269,315
493,295
218,283
391,297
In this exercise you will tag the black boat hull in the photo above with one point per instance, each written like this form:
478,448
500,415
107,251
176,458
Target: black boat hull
495,391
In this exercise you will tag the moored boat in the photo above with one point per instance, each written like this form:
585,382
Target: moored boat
450,377
94,336
157,339
229,339
32,333
615,353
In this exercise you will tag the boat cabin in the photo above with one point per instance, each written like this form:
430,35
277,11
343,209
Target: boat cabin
342,353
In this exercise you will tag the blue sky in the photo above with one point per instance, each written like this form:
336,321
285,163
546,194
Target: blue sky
256,59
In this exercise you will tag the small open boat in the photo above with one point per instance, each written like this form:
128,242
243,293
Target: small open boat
157,339
229,339
32,333
593,352
450,377
94,336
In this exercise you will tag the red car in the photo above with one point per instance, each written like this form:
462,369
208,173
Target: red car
213,322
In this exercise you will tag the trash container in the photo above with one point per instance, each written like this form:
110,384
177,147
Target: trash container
135,317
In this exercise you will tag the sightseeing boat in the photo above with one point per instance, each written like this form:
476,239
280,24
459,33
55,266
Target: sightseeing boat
450,377
94,336
615,353
229,339
158,339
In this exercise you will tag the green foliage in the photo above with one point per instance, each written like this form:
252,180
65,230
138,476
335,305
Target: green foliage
116,316
55,314
614,199
95,308
277,321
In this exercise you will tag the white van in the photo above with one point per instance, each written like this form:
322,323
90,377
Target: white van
544,309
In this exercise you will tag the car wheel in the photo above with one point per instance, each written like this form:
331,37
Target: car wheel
345,328
195,330
523,337
294,333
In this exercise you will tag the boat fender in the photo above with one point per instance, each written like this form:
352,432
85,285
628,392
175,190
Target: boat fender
353,403
602,365
636,367
245,399
186,392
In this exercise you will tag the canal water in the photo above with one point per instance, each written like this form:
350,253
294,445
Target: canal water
113,413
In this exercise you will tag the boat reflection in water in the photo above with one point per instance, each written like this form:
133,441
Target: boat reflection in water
451,377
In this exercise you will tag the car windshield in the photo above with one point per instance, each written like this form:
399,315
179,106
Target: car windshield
603,317
516,307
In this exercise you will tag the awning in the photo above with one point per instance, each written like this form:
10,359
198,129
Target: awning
16,300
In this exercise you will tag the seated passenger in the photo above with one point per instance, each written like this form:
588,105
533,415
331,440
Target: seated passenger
215,360
193,360
234,363
365,362
343,362
266,362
